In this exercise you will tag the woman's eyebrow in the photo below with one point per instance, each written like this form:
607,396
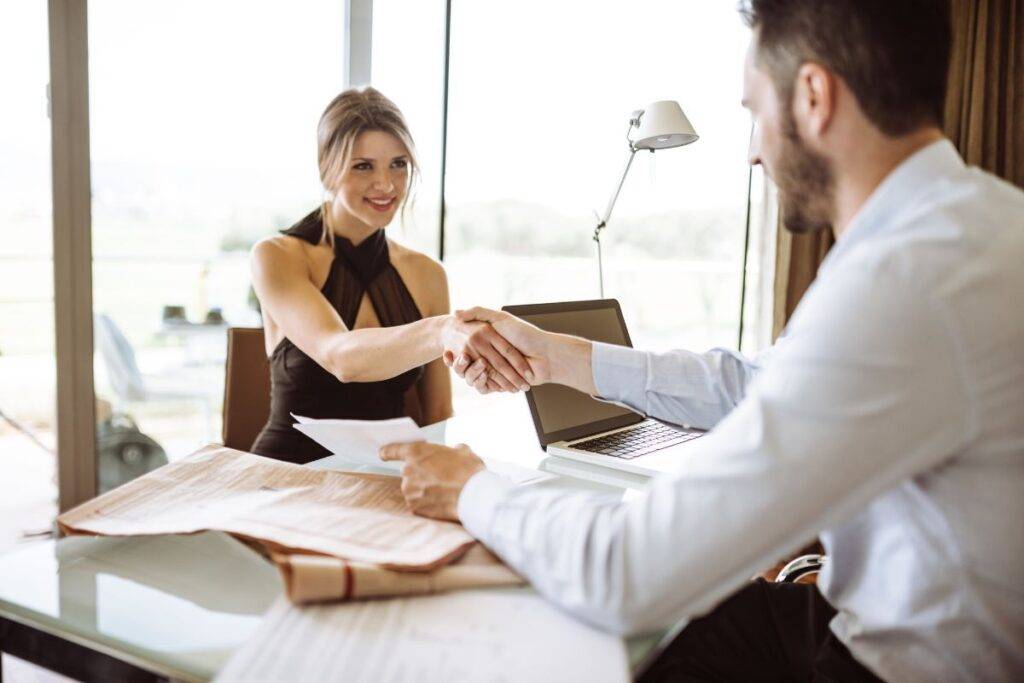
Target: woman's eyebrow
363,159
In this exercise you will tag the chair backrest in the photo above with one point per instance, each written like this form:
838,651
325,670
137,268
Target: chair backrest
246,387
119,357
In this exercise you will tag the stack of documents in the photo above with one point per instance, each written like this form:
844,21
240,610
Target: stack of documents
333,535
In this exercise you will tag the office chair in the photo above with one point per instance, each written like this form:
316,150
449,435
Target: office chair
801,566
127,381
246,387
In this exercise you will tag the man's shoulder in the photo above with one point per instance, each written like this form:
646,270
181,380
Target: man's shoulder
945,262
964,221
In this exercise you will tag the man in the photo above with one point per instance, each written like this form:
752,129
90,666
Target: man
889,418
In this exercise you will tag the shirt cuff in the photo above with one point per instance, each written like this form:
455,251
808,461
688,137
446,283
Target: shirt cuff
620,373
479,501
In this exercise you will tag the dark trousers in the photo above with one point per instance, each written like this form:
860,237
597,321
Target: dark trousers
763,632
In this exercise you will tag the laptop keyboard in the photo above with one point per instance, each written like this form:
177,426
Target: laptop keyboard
650,436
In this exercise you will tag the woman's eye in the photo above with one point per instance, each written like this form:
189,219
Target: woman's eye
400,163
363,166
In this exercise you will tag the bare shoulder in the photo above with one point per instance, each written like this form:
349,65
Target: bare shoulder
279,252
423,274
416,263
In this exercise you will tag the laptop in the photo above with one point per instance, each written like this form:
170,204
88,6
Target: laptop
571,424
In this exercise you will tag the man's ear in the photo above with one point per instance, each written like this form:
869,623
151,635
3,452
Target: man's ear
814,100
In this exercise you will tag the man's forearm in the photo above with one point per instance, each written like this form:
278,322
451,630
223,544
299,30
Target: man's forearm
569,359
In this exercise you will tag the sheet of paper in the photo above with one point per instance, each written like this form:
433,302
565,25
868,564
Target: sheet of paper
494,635
359,517
356,444
360,440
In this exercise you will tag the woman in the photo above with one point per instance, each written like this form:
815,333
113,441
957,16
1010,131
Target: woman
355,323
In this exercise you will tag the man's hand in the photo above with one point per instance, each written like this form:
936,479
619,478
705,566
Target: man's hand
530,340
433,476
501,362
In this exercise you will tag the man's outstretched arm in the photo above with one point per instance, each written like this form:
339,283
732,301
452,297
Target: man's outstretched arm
835,420
696,389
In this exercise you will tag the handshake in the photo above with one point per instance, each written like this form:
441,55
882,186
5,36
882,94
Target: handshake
496,351
492,351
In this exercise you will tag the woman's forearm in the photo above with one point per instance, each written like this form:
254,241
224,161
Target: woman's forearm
373,354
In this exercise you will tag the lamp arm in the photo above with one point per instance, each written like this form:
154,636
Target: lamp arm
603,222
618,188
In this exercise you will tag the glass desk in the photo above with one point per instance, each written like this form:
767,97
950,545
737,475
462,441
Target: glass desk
176,607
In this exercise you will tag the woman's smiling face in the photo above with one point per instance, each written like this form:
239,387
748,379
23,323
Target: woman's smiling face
375,180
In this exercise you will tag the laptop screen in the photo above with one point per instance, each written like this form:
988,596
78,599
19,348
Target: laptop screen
561,413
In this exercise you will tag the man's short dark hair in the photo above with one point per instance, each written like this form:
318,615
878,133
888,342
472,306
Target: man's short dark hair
893,54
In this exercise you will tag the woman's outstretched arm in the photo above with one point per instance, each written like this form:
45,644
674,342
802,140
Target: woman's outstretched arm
435,387
287,295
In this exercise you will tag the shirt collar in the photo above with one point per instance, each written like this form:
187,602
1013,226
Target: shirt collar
896,191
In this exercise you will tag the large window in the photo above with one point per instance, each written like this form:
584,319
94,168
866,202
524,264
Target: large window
540,97
203,125
27,380
408,67
202,122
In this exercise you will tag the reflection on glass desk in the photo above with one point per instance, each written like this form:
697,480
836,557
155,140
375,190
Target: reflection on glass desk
174,605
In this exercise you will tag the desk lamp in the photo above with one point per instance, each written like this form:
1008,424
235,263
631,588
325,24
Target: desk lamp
662,125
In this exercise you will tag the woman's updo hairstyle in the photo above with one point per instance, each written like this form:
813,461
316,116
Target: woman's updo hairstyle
356,111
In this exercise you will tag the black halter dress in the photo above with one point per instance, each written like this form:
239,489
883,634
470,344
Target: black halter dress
298,384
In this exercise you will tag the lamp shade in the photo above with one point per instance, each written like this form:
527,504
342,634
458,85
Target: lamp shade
663,125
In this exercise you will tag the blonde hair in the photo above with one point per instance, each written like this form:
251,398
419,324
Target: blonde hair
355,111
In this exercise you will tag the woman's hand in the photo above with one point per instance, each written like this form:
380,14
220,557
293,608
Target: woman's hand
476,340
528,339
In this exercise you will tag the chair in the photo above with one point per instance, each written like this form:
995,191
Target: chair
126,380
246,387
805,565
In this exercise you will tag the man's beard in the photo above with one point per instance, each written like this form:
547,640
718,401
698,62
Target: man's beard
805,182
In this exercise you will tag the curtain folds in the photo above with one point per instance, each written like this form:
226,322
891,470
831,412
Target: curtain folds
985,99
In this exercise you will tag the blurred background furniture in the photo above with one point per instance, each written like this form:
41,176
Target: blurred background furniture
128,383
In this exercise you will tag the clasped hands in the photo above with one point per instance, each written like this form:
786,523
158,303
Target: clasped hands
492,351
495,351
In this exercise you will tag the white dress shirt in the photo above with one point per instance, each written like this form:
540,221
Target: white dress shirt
889,419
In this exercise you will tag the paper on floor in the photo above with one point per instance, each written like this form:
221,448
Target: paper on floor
494,635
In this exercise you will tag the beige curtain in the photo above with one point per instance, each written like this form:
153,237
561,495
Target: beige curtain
985,102
983,118
797,258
